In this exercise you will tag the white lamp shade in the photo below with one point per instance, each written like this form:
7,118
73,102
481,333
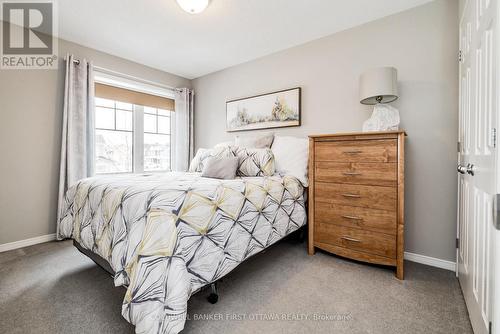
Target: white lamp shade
378,85
193,6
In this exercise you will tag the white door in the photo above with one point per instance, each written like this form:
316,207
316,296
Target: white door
477,136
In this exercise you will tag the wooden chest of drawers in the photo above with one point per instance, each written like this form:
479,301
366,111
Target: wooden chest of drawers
356,196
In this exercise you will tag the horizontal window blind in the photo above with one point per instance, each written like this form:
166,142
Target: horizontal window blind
134,97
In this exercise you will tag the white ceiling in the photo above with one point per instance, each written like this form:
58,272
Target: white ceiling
158,33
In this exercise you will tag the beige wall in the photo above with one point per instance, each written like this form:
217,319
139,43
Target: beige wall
422,44
30,139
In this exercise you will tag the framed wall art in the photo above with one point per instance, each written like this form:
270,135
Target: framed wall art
272,110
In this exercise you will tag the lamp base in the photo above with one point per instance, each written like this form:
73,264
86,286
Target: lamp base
384,118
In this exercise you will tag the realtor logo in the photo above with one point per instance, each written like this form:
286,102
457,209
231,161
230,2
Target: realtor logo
28,35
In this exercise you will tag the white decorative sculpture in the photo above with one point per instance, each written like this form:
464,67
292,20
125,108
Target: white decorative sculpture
384,118
377,87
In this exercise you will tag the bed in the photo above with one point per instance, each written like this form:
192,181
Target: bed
166,236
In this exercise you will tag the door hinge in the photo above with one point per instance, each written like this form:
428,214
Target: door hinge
457,243
460,57
494,137
459,147
496,211
490,329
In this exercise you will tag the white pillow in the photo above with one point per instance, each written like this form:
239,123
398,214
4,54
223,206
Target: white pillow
255,141
199,159
203,154
291,157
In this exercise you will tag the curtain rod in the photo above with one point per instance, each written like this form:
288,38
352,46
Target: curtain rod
126,76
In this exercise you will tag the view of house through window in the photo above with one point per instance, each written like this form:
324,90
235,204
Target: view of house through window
156,139
131,138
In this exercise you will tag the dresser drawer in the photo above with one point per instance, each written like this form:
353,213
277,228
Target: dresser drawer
377,173
350,216
374,197
355,239
384,150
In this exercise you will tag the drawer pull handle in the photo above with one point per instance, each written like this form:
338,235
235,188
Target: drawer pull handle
352,217
352,173
350,239
353,152
351,195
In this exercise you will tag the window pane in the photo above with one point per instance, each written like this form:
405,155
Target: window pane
100,102
113,151
104,118
124,120
164,125
149,110
162,112
156,152
123,105
149,123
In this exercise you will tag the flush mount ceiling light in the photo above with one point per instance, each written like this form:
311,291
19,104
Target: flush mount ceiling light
193,6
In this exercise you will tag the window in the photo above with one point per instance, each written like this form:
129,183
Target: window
131,137
113,136
156,139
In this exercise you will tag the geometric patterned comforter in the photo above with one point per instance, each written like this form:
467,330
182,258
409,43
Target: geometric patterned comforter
168,235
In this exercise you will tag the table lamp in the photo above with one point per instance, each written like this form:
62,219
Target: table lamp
379,86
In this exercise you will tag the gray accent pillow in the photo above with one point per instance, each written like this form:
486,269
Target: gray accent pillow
220,168
255,141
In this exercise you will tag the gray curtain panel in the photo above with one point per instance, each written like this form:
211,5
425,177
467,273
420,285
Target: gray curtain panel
77,147
183,143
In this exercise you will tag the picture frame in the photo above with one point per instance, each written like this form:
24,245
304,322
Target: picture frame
277,109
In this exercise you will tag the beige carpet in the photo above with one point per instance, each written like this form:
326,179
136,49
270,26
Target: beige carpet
52,288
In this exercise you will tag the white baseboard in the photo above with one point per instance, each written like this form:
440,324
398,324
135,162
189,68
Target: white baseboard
27,242
430,261
423,259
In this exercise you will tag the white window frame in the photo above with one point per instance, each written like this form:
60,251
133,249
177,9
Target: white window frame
128,82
